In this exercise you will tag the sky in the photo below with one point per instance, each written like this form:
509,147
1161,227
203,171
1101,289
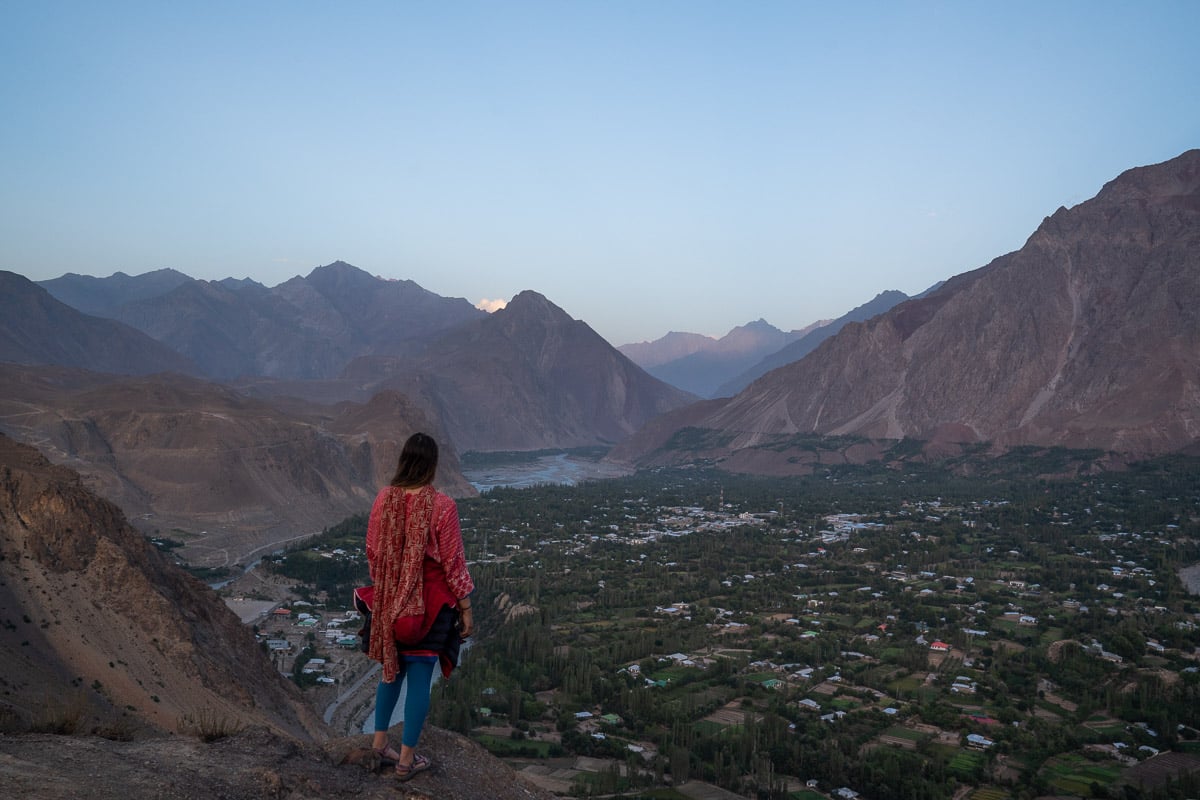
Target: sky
648,166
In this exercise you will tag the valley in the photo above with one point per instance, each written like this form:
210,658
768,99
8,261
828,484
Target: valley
887,633
942,547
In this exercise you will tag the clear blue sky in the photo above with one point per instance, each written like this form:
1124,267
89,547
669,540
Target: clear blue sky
648,166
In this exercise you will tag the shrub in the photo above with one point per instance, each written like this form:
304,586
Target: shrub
60,715
208,726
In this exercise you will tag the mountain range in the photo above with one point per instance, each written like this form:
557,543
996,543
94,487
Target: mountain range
231,417
222,473
272,408
282,410
527,377
799,348
305,328
700,364
1086,337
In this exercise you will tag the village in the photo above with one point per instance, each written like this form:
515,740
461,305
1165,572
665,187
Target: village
981,644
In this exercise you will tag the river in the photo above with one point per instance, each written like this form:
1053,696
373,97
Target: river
560,468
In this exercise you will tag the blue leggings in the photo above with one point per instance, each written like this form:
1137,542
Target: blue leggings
419,675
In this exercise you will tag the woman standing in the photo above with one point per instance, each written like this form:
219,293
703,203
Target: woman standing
415,555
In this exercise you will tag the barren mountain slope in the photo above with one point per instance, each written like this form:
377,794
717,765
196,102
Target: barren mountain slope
525,378
35,328
100,627
231,473
1088,336
810,340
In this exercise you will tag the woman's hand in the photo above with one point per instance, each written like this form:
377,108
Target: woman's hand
466,622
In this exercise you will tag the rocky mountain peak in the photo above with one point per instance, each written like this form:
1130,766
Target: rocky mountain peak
1131,199
338,267
528,304
530,317
1179,177
340,279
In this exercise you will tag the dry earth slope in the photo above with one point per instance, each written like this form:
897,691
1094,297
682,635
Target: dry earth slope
178,452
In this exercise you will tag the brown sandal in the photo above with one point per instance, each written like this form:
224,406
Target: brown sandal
386,756
420,764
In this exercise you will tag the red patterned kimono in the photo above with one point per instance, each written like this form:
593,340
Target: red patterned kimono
418,566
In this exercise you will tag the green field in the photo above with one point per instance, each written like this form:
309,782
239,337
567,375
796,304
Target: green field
525,748
673,674
900,732
1051,635
1106,728
706,727
989,793
965,763
910,683
1073,774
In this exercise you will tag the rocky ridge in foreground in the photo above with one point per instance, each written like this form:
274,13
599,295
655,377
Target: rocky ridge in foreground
250,765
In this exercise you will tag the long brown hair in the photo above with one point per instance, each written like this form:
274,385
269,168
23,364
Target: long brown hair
418,462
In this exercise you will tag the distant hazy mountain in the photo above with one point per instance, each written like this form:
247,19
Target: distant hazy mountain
102,296
705,363
35,328
798,349
527,377
1088,336
305,328
240,283
231,332
672,346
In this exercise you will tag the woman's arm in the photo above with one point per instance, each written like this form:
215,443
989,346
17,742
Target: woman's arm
450,552
453,558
